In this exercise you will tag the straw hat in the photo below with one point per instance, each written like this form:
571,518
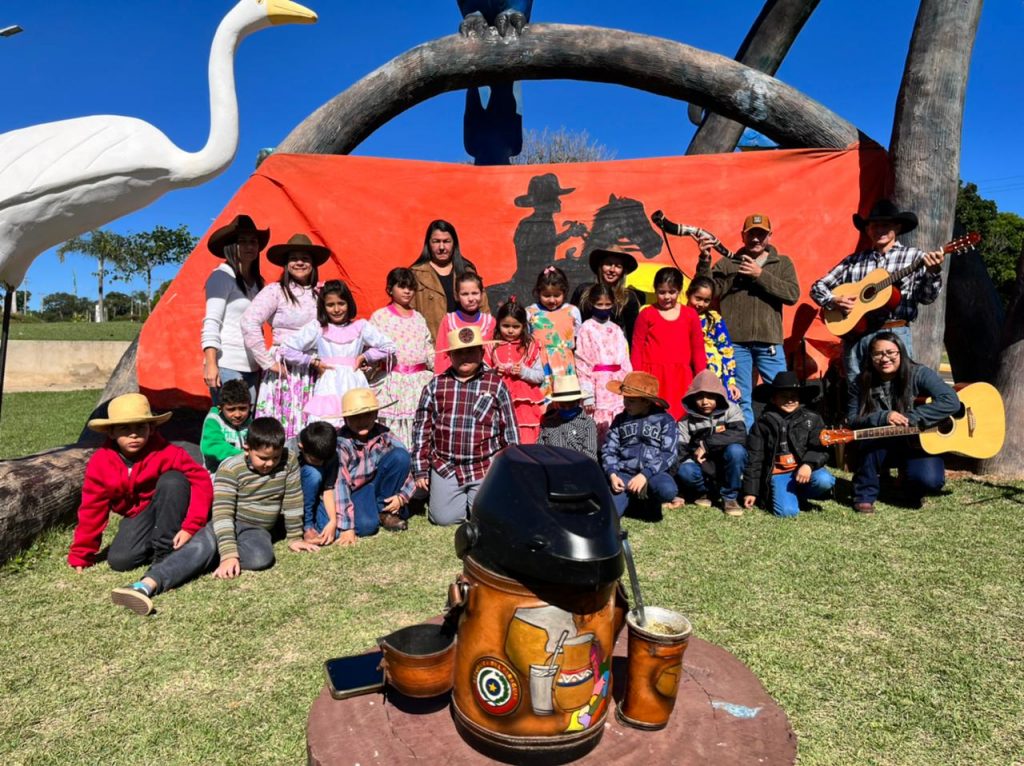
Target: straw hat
358,401
618,251
466,337
641,385
278,254
228,235
566,388
127,408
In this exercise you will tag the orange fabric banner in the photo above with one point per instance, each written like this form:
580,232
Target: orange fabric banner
512,221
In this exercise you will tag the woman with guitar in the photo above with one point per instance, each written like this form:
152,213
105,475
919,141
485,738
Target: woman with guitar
918,285
886,393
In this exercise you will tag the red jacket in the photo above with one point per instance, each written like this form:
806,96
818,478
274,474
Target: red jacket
108,488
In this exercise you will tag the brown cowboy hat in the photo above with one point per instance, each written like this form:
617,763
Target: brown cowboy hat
642,385
543,188
618,251
278,254
127,408
228,235
885,210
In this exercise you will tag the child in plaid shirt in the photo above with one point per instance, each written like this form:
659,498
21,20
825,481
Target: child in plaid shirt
463,420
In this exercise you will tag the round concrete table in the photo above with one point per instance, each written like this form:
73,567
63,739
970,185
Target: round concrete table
722,716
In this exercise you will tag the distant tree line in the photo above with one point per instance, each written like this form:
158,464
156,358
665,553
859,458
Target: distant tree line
1002,237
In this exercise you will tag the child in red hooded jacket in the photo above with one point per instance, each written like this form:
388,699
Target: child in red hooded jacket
163,494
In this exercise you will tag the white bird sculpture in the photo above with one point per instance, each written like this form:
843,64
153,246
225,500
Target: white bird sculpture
62,179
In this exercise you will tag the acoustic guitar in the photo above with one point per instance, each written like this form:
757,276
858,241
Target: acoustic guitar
875,292
978,430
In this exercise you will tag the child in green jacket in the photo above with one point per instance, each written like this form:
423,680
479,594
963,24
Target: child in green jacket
226,426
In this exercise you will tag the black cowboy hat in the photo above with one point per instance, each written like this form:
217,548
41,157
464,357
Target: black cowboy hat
278,254
599,254
885,210
543,188
785,381
228,235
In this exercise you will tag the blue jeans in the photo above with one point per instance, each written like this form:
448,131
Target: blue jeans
729,467
767,358
312,478
200,554
661,488
855,352
922,473
787,494
251,379
368,500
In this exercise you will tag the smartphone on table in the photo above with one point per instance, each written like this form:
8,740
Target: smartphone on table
354,675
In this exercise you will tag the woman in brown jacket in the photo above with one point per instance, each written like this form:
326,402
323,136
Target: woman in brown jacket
436,269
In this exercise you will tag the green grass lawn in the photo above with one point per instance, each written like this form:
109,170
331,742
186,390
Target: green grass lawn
893,639
74,330
36,421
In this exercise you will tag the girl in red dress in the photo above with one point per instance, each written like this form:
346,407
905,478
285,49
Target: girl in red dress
668,341
517,358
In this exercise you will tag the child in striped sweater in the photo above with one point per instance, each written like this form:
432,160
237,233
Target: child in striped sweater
250,491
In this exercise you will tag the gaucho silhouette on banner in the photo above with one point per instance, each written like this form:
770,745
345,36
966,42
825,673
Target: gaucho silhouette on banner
622,221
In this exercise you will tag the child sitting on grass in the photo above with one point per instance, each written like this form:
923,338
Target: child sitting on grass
374,478
786,464
318,470
566,424
251,492
639,455
162,493
226,425
711,436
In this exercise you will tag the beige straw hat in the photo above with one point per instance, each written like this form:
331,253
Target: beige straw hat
127,408
358,401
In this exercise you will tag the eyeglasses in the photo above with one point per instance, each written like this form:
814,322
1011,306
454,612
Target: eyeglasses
891,354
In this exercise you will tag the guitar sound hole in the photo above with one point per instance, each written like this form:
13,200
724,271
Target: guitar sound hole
945,427
868,294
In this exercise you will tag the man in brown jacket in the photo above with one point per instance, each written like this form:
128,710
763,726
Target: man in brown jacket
752,286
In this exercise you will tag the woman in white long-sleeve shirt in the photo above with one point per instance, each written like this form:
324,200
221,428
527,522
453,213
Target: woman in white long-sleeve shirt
229,290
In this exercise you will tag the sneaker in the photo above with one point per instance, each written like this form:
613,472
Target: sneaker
133,597
864,507
703,501
732,508
392,522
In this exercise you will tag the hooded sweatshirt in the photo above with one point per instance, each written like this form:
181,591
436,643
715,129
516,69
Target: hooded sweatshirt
716,431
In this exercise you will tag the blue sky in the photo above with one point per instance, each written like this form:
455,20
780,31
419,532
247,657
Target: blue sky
148,60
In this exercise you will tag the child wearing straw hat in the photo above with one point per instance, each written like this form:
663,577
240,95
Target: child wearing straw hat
374,472
639,455
464,418
162,493
566,424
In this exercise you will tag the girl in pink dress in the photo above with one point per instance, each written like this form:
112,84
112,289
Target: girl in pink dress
469,292
602,355
410,369
339,348
516,357
554,324
668,341
288,304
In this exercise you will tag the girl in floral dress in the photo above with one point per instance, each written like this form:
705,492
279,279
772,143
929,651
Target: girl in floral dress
717,343
288,304
554,324
469,292
602,355
410,369
516,357
339,347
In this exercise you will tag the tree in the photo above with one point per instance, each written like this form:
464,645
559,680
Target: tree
149,249
118,305
106,247
553,147
1002,236
65,307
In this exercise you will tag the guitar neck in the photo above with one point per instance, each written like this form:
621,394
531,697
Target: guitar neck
897,275
882,432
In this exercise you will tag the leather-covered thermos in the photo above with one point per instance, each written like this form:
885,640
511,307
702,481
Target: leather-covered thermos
654,667
542,557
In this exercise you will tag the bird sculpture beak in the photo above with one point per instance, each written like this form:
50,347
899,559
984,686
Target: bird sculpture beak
287,12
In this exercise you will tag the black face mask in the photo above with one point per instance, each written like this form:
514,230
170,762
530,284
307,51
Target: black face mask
601,314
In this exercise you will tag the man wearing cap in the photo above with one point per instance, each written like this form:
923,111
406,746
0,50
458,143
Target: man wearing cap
463,420
881,227
752,287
